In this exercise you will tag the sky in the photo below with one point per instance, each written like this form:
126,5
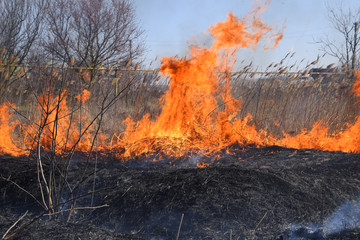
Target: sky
169,25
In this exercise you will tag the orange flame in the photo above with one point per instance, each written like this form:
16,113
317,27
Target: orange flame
191,118
347,140
63,129
198,115
7,142
84,96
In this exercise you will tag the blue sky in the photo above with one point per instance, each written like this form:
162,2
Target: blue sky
169,24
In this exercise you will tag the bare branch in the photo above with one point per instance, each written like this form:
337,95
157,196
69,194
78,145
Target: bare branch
12,226
343,21
93,33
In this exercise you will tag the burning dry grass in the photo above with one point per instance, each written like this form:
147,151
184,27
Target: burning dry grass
281,104
274,106
204,110
198,112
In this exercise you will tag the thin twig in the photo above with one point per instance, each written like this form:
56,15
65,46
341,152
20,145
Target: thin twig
258,224
178,232
94,181
23,189
76,208
12,226
39,163
126,191
47,212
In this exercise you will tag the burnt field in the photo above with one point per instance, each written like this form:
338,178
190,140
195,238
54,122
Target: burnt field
252,193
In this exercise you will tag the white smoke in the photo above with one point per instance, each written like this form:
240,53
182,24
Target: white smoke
345,217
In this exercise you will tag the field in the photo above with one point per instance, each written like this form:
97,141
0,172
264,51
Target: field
240,192
197,149
247,193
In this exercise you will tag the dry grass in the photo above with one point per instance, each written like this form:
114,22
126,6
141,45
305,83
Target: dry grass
277,102
282,104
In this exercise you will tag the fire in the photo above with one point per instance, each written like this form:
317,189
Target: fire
347,140
54,121
198,111
7,142
199,114
57,128
84,96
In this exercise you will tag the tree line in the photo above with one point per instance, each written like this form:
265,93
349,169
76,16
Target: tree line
79,33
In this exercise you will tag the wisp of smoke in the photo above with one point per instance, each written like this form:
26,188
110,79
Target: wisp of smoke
345,217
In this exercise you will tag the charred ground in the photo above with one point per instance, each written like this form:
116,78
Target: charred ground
252,193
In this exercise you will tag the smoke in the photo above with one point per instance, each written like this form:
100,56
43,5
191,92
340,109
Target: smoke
192,161
345,217
310,231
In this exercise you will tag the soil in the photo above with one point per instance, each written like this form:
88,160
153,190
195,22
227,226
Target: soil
241,193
